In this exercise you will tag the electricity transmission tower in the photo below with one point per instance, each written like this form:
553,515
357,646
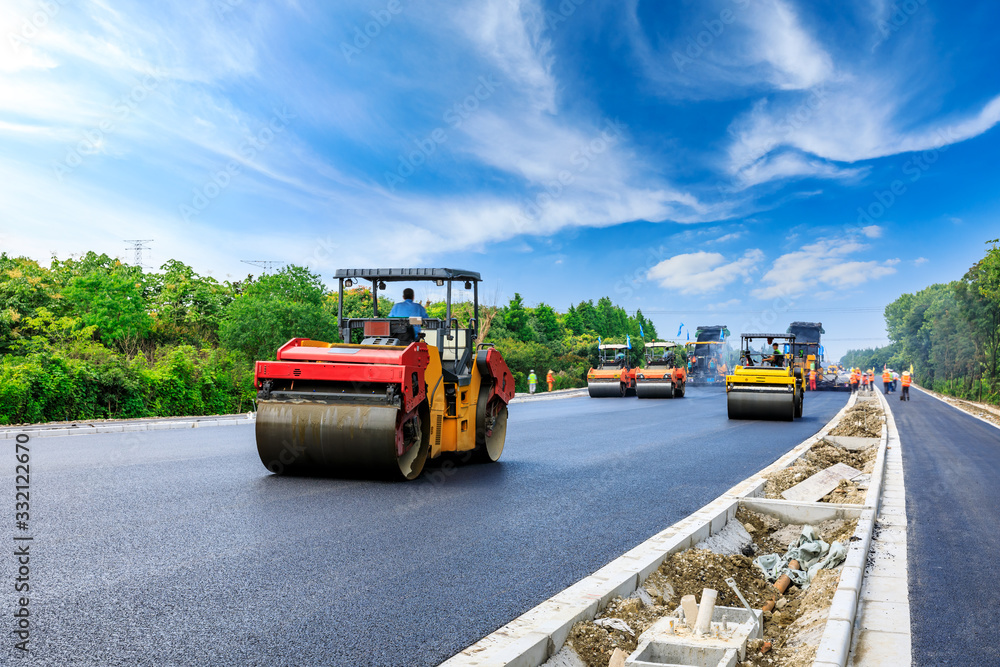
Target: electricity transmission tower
138,245
265,264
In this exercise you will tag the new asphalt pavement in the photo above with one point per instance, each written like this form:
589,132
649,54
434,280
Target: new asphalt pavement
178,547
951,466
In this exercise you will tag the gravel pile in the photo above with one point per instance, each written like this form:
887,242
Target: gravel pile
820,456
864,420
792,629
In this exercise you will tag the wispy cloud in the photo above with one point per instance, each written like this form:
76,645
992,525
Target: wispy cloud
703,272
821,265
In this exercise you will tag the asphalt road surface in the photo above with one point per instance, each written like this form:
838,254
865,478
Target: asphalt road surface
951,468
178,547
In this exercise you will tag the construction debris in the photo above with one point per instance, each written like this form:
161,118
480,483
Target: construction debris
820,456
690,572
864,420
815,487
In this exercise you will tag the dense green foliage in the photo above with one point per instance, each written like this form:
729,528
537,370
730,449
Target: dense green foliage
950,333
92,338
541,339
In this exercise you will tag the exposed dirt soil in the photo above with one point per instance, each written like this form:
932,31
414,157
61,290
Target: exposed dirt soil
820,456
864,420
688,572
796,630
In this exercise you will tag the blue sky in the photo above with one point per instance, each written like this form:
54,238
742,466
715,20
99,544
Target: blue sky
748,162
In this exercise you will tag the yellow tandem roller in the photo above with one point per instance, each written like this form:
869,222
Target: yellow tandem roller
763,386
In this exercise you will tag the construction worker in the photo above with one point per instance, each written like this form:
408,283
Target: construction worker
907,381
895,380
551,380
865,379
407,308
532,381
812,378
886,380
854,380
777,357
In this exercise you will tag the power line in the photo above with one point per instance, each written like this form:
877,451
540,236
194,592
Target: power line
723,311
138,245
265,264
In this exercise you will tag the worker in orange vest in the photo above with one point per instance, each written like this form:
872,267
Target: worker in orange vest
551,379
812,379
864,381
907,381
854,380
886,379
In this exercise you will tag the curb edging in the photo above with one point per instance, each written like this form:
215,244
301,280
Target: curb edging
92,428
538,634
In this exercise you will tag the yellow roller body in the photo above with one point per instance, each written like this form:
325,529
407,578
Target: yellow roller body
764,393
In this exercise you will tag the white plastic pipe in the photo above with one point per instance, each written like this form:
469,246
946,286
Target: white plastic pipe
705,611
690,607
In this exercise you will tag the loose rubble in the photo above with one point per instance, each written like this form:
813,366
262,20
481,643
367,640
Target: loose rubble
691,571
864,420
820,456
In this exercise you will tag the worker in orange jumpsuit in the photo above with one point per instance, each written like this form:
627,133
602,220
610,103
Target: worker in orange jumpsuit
854,381
886,380
866,379
907,381
812,379
551,379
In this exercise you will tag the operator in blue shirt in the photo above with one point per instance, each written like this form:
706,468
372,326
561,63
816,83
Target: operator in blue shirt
407,308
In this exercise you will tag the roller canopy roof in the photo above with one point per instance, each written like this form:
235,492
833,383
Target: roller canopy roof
390,275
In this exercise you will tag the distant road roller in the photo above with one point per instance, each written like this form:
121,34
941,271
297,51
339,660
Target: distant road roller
412,390
662,377
613,377
765,385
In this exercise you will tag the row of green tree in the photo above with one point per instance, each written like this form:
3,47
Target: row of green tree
93,338
949,333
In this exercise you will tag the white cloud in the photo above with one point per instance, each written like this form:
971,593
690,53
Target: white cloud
762,43
856,117
920,260
510,33
821,265
703,272
797,60
789,165
872,231
725,305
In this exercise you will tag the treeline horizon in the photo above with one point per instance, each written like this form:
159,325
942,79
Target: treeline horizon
95,338
948,332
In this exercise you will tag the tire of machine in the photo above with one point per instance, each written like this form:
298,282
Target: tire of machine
679,390
489,449
799,403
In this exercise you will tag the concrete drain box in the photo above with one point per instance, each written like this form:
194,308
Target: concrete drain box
661,647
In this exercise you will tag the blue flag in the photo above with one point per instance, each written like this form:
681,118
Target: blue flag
628,341
641,335
689,335
598,341
679,331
